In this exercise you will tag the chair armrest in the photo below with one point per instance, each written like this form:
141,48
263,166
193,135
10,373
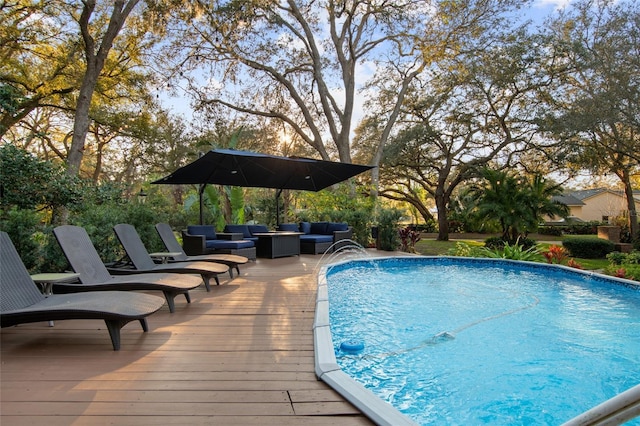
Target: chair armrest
342,235
232,236
193,245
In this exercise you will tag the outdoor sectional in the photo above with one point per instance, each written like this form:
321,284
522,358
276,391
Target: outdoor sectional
318,237
247,231
203,239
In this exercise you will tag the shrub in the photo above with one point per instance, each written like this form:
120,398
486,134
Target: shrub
616,258
555,231
628,271
466,250
388,238
583,228
555,254
588,248
514,252
494,243
498,243
408,239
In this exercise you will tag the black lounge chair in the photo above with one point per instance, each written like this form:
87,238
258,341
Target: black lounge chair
143,263
171,243
21,302
85,260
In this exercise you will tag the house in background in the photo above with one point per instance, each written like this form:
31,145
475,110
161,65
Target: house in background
599,204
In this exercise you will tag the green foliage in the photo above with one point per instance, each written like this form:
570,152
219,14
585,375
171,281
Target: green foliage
617,258
10,99
501,251
514,252
629,271
338,205
466,250
360,220
499,243
517,203
236,198
106,207
588,248
387,227
30,183
20,225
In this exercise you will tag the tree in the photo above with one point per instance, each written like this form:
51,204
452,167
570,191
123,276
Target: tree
595,104
38,58
95,54
517,203
303,62
479,108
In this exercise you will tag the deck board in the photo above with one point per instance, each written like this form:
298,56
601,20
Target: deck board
241,354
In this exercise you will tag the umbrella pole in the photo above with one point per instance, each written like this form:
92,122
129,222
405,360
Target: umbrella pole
278,192
200,194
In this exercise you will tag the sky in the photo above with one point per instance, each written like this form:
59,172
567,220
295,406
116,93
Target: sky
537,12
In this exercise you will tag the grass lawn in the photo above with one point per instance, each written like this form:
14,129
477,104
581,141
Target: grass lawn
431,247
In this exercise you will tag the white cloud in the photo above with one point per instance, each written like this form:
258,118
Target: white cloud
556,4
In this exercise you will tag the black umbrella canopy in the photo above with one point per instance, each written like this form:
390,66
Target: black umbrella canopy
252,169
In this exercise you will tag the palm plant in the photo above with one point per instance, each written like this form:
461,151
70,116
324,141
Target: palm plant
516,203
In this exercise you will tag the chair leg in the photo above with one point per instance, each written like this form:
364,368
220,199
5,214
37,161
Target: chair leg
144,324
169,296
114,327
206,279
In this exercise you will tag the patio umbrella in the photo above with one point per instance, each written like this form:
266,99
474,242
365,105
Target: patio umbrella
252,169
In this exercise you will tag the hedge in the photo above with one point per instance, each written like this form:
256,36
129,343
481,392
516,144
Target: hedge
588,248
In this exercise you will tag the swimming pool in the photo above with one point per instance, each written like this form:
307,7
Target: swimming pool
525,343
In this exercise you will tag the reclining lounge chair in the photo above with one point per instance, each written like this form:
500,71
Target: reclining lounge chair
85,260
143,263
22,302
171,243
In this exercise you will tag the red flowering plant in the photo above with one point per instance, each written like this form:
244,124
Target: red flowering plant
555,254
621,273
408,239
573,264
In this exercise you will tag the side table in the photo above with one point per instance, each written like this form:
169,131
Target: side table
277,244
164,256
47,280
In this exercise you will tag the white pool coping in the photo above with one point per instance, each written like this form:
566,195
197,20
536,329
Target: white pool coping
327,369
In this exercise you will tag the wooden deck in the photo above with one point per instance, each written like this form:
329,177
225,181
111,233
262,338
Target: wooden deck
239,355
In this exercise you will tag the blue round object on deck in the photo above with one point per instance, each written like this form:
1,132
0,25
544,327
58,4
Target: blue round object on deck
352,346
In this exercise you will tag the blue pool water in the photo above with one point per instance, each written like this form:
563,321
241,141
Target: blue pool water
471,341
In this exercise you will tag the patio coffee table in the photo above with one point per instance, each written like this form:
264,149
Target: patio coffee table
277,244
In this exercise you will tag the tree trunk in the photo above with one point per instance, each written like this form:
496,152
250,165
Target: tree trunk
443,221
631,205
81,120
95,59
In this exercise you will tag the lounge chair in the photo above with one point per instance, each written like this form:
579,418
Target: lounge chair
21,301
85,260
171,243
143,263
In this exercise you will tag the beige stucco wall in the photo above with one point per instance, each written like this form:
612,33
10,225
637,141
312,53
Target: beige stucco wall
603,204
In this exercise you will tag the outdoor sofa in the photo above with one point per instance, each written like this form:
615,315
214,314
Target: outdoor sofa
318,237
203,239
